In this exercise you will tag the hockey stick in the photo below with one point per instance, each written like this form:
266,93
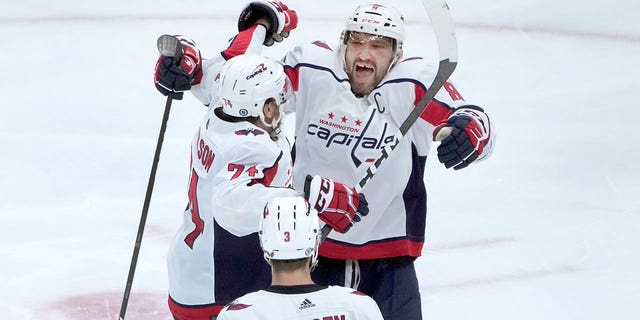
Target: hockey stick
167,46
442,22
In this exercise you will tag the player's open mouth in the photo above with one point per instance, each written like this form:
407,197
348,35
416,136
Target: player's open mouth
363,71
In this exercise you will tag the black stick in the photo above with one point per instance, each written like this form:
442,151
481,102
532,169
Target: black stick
145,210
168,46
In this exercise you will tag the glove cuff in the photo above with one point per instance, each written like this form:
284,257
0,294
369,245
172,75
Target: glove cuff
319,192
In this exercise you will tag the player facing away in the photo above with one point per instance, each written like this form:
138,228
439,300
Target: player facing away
289,236
350,98
239,161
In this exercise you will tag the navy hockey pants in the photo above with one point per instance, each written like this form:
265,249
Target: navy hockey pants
391,282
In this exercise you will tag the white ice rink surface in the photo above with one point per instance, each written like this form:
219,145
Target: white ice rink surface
548,228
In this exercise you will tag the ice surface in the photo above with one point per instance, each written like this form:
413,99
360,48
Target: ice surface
545,229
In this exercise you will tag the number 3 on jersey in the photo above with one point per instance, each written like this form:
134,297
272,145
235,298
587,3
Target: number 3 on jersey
193,209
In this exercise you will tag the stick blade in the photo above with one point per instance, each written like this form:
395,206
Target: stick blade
441,20
169,46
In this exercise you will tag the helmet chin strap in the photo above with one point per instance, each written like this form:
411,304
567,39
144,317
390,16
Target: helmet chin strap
313,263
275,125
396,57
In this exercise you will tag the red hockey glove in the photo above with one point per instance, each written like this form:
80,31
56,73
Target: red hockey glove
338,206
470,131
174,75
281,19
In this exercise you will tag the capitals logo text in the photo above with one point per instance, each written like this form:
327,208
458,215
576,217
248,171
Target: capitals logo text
334,134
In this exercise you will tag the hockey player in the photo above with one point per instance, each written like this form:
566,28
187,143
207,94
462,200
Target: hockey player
349,100
289,238
239,160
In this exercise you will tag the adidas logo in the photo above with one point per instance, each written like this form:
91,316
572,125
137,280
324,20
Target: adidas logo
306,304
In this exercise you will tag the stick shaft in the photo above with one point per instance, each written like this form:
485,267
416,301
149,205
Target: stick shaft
145,210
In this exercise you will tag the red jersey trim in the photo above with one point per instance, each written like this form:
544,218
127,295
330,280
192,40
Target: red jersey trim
385,249
269,174
197,312
435,112
240,43
293,75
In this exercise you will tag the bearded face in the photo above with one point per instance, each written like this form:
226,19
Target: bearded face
367,60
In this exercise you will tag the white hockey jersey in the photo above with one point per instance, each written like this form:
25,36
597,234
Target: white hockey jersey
339,135
308,302
235,169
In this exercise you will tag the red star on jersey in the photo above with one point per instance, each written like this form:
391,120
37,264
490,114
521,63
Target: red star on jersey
344,119
330,115
358,122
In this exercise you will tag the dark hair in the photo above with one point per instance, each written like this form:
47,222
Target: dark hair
289,265
229,118
218,111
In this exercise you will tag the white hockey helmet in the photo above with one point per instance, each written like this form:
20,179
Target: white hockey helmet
377,19
289,230
247,82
